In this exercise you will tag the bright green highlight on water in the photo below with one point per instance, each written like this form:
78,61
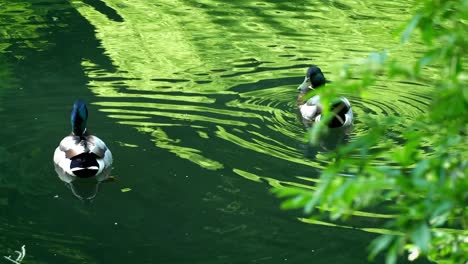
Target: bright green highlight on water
197,101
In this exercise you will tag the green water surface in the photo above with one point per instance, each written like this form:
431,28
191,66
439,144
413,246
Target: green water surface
196,100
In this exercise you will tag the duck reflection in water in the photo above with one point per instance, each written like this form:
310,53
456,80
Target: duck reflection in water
310,112
84,189
82,160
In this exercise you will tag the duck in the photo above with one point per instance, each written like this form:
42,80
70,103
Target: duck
310,110
80,154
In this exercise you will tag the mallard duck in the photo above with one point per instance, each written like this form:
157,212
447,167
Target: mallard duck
81,154
310,111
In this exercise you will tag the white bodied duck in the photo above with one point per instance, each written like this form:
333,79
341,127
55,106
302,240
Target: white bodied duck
81,154
310,111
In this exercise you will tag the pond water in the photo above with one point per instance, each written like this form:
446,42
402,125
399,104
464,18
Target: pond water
196,100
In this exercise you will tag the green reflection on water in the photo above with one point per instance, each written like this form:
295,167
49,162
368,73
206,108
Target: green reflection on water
213,84
197,53
262,147
162,140
277,183
365,229
21,21
181,116
271,181
374,230
201,66
178,107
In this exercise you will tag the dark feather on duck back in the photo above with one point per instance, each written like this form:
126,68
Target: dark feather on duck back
85,160
340,109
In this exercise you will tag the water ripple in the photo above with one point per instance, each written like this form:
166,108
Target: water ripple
220,92
257,116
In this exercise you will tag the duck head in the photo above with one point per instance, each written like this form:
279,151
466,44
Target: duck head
314,78
79,116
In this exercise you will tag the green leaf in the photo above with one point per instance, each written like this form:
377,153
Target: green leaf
296,202
420,169
282,192
405,36
325,181
379,244
421,236
439,213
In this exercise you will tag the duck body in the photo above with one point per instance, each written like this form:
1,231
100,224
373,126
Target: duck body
310,110
81,154
83,157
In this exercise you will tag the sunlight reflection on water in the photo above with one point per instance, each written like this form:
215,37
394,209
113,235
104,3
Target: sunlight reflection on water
235,79
210,86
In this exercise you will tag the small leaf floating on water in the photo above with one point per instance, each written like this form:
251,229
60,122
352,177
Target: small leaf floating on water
110,179
125,189
20,257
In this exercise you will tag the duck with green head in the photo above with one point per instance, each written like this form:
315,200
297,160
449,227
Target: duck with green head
81,154
310,111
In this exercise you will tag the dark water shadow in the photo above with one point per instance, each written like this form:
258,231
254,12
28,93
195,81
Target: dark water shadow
103,8
328,142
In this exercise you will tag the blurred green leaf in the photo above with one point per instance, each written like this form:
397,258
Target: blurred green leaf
421,236
405,36
379,244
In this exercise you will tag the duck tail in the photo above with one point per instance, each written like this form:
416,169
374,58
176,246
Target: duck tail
84,165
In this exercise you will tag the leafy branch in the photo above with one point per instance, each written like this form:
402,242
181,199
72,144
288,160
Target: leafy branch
420,170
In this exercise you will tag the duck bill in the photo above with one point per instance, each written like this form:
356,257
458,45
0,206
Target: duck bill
304,86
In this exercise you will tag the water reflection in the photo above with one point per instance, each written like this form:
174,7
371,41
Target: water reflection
327,142
206,92
257,115
84,189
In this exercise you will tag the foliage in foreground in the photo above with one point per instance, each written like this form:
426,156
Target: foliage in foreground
421,171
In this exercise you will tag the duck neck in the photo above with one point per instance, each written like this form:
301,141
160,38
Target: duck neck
78,126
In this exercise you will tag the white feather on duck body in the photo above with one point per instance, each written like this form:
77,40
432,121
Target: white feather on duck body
311,110
81,154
